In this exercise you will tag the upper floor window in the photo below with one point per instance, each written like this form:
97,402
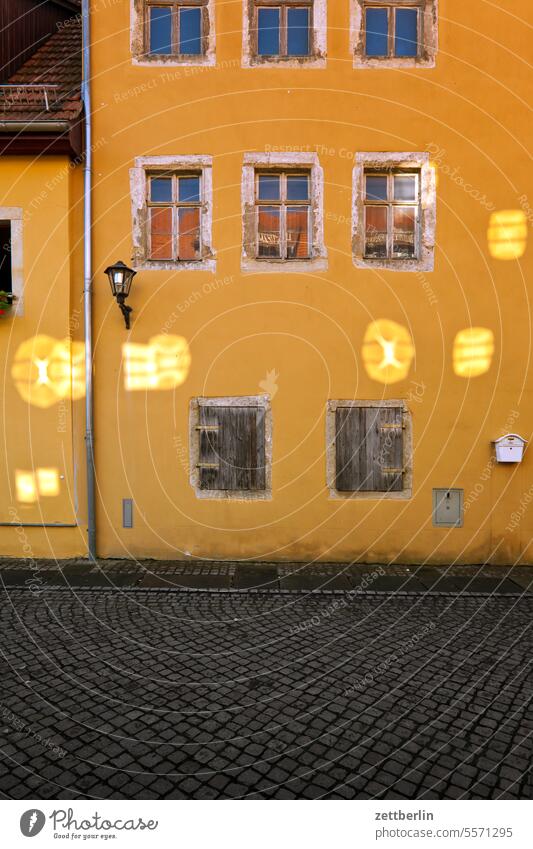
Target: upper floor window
175,209
172,212
173,32
394,206
394,33
284,31
392,214
176,27
283,212
283,209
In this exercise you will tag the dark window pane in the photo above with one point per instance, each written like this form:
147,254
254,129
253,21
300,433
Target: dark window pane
298,187
189,233
376,188
160,29
161,233
189,189
268,187
377,29
268,32
406,36
297,32
5,256
404,232
160,189
376,231
297,232
190,28
268,231
405,188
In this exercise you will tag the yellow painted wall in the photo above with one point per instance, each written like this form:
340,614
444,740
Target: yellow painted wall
41,477
470,112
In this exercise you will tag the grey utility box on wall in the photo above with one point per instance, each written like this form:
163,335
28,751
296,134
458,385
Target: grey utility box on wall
448,508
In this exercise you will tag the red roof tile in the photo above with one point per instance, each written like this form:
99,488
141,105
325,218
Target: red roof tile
54,69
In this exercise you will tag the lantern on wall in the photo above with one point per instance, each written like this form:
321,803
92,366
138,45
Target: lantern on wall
388,351
473,350
507,234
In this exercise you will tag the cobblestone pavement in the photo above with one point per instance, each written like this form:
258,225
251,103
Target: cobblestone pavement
154,693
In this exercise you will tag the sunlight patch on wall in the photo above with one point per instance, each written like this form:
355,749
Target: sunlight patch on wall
388,351
473,350
46,370
30,486
161,364
507,234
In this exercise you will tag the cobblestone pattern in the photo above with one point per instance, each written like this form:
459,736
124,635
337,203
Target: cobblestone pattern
168,694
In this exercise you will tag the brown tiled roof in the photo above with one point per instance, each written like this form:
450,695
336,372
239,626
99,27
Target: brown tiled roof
54,69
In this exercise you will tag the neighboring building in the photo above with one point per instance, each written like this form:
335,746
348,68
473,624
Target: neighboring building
327,209
41,253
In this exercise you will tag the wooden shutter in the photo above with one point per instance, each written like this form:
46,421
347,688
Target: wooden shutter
369,449
232,448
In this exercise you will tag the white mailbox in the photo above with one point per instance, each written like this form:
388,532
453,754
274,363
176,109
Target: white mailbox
510,448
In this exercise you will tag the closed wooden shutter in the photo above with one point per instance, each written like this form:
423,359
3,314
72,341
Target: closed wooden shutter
232,448
369,449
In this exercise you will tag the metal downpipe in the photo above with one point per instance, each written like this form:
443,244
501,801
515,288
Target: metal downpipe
87,283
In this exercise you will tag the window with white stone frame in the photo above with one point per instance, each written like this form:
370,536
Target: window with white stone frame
394,211
283,220
394,33
173,32
285,33
172,213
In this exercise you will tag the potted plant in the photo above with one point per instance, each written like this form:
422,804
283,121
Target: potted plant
6,301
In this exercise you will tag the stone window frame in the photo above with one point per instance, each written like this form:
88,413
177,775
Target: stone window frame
385,161
262,401
331,451
302,161
145,165
138,46
14,215
317,56
429,28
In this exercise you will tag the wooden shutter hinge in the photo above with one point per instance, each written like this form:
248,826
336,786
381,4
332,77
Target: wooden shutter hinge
207,427
208,466
393,471
392,427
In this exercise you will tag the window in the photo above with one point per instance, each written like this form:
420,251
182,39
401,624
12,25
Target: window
177,32
392,30
6,281
394,211
11,264
176,28
369,449
230,441
391,214
172,212
282,212
284,31
174,206
394,33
